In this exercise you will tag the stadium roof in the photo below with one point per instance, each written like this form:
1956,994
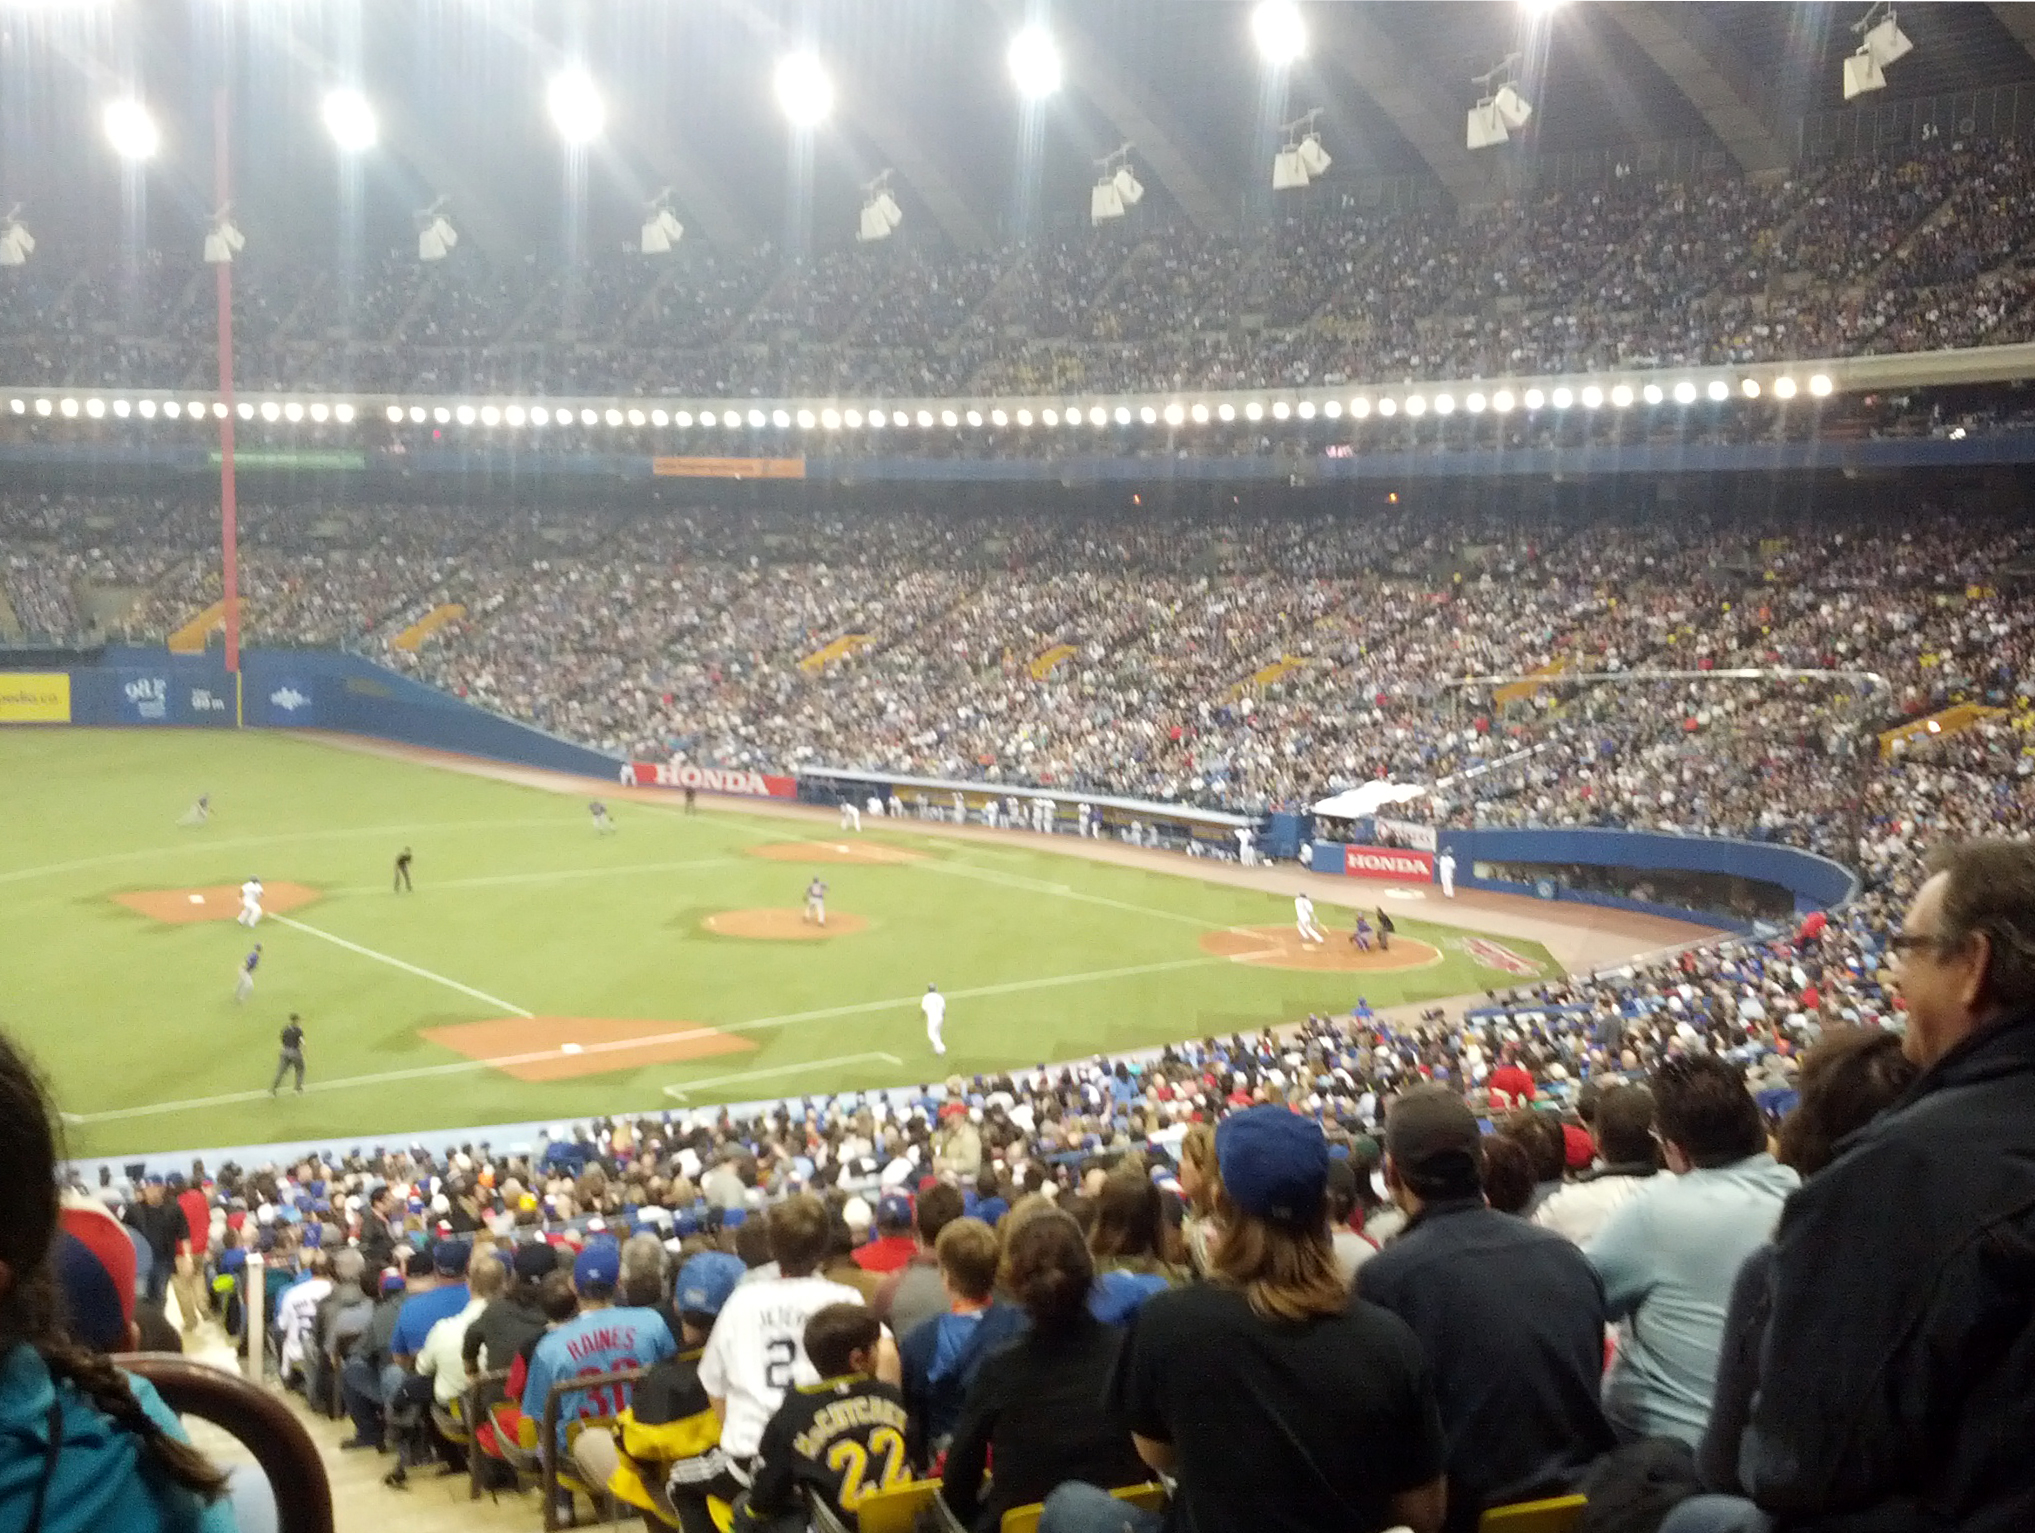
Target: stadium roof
923,89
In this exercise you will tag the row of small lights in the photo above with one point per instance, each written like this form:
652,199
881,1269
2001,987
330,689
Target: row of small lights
1591,397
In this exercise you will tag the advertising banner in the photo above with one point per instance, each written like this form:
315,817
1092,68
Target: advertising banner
35,697
650,774
1389,863
142,697
1392,832
292,702
728,468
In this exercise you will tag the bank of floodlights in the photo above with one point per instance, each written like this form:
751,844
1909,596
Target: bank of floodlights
1500,110
880,212
435,234
661,228
1116,188
16,243
223,241
1302,158
1880,42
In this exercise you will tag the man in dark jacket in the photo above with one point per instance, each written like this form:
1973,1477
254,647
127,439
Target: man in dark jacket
1511,1317
941,1356
1898,1374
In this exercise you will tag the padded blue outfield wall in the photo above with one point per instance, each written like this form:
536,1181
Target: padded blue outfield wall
1816,882
305,689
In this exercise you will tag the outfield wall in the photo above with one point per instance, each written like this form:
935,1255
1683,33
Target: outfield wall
280,689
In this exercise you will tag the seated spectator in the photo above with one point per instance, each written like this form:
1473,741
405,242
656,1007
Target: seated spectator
1281,1405
1352,1249
668,1436
1669,1256
643,1264
1199,1181
990,1205
558,1301
1128,1242
1033,1407
370,1376
893,1246
1511,1317
841,1437
1850,1077
442,1357
1508,1174
602,1338
1540,1135
939,1357
1626,1157
512,1317
83,1446
757,1350
1897,1381
913,1293
295,1312
339,1319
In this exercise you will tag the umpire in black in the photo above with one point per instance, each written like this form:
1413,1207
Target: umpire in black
292,1056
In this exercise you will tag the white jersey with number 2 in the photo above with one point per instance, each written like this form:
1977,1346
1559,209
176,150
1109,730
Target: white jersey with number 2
757,1352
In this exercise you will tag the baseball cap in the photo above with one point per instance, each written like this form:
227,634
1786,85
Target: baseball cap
705,1282
392,1281
894,1211
600,1264
855,1214
419,1264
534,1259
1274,1164
449,1257
1431,1129
1578,1151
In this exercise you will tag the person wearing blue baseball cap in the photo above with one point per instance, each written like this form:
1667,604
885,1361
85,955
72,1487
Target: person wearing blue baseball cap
1280,1403
669,1434
602,1338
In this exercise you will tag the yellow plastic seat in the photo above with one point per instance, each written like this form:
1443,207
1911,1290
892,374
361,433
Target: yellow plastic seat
895,1510
1557,1514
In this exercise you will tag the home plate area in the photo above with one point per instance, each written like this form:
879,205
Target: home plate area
214,902
1280,947
563,1048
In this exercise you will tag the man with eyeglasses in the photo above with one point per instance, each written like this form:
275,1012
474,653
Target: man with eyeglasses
1898,1372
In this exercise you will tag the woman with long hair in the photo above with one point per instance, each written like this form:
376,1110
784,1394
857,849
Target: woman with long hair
1034,1402
1276,1399
1199,1182
83,1446
1128,1243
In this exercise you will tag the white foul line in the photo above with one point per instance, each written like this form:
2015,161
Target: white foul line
408,968
621,1045
680,1093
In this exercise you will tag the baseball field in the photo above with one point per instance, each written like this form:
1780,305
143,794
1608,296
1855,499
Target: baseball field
540,969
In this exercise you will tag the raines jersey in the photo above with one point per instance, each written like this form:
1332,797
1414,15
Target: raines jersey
757,1351
844,1437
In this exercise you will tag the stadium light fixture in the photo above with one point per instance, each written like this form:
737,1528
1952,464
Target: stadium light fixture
1880,43
16,243
805,93
576,108
1332,408
1359,408
1175,414
1474,402
880,212
68,408
1444,404
1685,392
1784,387
1279,31
1749,388
1535,399
1500,110
96,408
1719,391
1226,412
1502,401
1024,417
293,412
1621,396
1820,385
1049,416
996,418
343,413
321,412
147,408
131,130
271,411
661,228
1416,405
350,119
1116,187
924,419
244,410
1280,409
1302,158
224,241
1387,408
42,407
1652,394
435,234
1561,399
1254,411
1034,60
1148,416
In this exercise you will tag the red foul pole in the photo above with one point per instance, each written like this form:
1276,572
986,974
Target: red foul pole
229,537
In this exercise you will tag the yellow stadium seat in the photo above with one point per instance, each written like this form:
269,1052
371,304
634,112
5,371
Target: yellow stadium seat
1025,1519
895,1510
1557,1514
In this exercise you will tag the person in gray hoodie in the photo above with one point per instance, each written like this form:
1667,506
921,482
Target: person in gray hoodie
1669,1256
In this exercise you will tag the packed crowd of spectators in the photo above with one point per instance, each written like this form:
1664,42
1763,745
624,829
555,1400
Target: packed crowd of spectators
1924,249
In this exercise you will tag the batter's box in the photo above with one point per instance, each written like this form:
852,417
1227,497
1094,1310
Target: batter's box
564,1048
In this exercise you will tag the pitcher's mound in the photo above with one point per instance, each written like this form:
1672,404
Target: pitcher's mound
1280,947
215,902
782,925
831,851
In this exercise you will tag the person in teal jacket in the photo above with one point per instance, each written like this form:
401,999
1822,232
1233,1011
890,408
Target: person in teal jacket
83,1446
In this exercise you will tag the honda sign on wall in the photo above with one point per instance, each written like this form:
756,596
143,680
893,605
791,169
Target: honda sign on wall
710,779
1389,863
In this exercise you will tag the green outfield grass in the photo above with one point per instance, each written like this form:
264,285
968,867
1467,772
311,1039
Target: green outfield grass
1043,956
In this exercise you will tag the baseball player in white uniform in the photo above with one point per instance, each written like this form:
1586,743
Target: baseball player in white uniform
960,809
1244,853
934,1005
816,902
1049,815
250,903
1081,814
851,817
1303,917
875,807
1446,866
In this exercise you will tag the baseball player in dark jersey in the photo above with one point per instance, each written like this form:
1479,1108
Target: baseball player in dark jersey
842,1437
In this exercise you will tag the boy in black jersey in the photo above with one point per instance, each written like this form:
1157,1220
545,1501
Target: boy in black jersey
842,1437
